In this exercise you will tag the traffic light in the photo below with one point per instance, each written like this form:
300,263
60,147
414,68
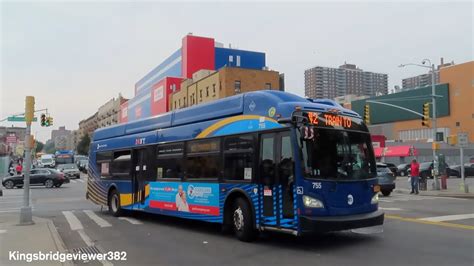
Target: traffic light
425,120
29,109
366,114
50,121
43,120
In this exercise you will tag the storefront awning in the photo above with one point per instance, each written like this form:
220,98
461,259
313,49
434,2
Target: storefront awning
396,151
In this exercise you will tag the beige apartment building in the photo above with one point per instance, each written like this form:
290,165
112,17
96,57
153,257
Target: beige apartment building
208,85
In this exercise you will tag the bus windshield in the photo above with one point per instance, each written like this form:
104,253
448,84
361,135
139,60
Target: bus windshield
339,155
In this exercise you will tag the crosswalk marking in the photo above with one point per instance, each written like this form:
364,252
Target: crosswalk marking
2,231
101,222
130,220
448,217
74,223
80,180
390,209
73,181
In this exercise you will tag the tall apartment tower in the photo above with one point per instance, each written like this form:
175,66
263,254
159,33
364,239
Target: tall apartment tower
327,82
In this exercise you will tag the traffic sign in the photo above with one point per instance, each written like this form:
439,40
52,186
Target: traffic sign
19,119
463,139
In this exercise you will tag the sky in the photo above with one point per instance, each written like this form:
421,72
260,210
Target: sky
75,56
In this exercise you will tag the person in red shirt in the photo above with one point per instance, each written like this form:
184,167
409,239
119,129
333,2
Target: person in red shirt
19,168
415,175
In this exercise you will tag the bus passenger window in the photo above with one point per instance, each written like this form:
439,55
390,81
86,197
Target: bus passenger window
203,159
169,163
238,157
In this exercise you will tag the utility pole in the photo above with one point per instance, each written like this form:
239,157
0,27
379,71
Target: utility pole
26,217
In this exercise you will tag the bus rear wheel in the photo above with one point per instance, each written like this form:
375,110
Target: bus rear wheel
114,203
242,221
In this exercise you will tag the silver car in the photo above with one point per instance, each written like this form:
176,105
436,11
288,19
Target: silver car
69,170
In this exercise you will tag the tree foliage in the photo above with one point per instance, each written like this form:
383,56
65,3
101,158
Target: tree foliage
83,145
49,147
39,146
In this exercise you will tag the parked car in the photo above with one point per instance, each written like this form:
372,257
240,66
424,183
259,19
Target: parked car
426,170
386,179
70,170
40,176
468,170
402,169
392,167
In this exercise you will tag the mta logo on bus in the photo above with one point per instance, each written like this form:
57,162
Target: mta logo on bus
139,141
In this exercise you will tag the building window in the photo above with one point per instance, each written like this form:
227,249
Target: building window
268,86
220,88
213,90
179,102
174,104
458,124
184,100
200,95
207,91
237,86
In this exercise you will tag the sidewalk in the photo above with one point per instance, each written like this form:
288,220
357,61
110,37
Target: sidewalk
453,188
41,236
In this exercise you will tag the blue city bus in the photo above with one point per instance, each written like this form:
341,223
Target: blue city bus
64,157
259,161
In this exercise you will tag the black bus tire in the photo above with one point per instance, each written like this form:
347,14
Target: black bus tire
114,203
242,221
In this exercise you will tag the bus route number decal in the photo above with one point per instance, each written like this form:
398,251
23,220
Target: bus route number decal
316,185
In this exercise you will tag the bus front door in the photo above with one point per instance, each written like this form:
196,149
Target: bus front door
276,178
138,178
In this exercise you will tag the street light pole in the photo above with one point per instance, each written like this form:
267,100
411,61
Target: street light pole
433,105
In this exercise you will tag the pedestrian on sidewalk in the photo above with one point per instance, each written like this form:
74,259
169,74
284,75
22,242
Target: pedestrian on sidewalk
415,175
19,168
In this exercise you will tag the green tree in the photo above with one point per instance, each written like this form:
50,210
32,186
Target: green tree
39,146
49,147
83,145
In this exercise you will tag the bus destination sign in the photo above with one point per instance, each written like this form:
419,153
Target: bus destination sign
334,121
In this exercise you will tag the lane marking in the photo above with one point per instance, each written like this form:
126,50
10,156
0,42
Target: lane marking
2,231
13,209
449,217
390,209
460,226
80,180
130,220
73,181
74,223
100,221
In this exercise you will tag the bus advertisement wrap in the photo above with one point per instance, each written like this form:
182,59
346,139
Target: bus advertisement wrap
198,198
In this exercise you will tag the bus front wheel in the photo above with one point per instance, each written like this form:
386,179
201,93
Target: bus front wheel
114,203
242,221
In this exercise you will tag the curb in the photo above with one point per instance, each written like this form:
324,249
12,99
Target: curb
58,241
437,194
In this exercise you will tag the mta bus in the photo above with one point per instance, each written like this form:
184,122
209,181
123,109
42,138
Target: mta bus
64,157
259,161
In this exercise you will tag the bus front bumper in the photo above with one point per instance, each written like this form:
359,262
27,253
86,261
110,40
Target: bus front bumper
338,223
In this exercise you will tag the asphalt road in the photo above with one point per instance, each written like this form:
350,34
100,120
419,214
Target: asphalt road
405,239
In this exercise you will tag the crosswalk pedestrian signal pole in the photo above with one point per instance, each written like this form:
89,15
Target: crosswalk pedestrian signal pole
25,211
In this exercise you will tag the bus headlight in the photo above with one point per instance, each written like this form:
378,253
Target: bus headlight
312,202
375,199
